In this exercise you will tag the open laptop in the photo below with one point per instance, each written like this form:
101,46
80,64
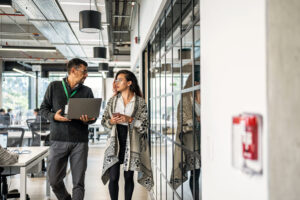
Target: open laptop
3,139
83,106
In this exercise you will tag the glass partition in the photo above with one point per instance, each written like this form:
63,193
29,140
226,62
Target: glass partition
175,101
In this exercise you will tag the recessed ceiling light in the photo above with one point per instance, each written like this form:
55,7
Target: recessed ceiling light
79,4
22,72
24,48
5,6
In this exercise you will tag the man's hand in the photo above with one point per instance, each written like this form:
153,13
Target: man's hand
59,117
85,119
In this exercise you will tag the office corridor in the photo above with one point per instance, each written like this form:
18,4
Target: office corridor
94,190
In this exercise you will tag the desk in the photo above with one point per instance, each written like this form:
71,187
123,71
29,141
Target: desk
27,134
26,162
24,126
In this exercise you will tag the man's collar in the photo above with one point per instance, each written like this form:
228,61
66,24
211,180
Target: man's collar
76,86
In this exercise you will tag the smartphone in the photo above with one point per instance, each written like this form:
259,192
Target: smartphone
116,114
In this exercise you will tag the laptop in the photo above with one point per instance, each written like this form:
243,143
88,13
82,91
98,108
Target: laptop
83,106
3,139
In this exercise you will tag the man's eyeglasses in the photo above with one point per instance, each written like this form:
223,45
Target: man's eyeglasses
83,71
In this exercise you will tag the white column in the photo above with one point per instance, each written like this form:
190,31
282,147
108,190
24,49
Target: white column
283,40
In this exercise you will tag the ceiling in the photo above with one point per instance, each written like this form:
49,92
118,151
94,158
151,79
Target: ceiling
55,23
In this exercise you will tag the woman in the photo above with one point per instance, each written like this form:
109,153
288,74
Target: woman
187,161
126,116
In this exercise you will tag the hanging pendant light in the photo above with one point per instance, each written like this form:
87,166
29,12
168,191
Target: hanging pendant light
110,73
99,52
89,20
103,67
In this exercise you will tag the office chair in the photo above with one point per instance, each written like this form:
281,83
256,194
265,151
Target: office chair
16,142
35,127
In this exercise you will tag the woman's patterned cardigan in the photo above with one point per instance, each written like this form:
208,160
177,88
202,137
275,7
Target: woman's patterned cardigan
137,155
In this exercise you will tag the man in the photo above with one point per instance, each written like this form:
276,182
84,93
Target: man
4,117
69,138
11,116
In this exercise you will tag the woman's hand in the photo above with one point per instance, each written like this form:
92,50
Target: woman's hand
124,119
114,120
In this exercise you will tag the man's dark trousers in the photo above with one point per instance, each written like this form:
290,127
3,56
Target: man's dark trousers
60,152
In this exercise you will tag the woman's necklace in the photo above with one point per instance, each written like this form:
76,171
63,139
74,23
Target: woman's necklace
127,100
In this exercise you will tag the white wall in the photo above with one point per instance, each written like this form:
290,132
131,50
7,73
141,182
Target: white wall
149,13
233,79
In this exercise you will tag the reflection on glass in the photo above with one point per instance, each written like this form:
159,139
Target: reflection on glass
163,131
162,36
156,48
176,113
176,20
186,56
187,14
163,76
176,68
168,68
168,27
196,8
197,45
163,118
169,158
188,135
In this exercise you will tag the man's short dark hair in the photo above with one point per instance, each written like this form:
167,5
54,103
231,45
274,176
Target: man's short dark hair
75,62
36,110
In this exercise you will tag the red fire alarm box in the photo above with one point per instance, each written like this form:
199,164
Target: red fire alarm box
137,40
247,142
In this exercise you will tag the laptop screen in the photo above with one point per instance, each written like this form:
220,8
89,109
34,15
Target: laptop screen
3,139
